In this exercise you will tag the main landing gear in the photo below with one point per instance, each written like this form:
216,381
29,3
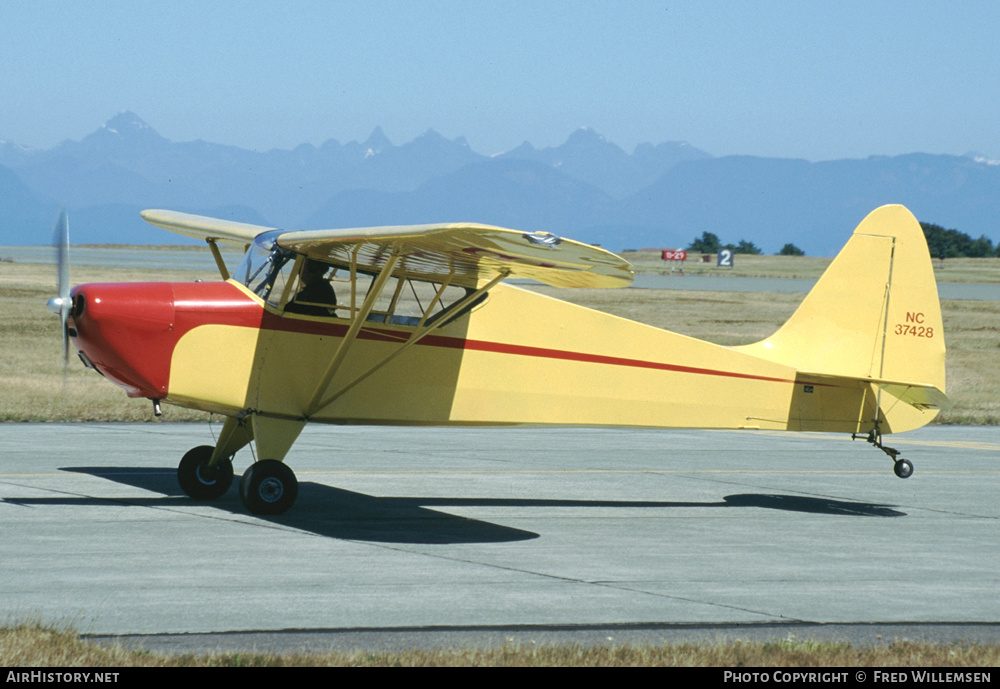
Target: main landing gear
903,468
198,480
268,487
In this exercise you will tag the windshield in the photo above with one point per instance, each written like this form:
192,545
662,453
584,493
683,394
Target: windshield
262,264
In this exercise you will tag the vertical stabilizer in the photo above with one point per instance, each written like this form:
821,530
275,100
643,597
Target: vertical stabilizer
874,314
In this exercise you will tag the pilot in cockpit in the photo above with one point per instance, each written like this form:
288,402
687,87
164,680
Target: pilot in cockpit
316,297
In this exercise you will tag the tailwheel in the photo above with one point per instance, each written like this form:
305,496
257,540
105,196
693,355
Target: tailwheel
903,468
268,487
198,480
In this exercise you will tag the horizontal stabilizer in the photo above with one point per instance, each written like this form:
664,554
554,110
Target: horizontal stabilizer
919,396
922,396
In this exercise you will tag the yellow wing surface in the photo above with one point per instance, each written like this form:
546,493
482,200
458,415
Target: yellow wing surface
201,227
464,254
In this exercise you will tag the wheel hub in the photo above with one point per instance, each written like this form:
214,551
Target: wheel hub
205,475
271,490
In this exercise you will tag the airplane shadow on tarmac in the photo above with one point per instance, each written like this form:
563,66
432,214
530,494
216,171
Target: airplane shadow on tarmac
337,513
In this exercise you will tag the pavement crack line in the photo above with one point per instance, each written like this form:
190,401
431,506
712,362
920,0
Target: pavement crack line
577,581
506,568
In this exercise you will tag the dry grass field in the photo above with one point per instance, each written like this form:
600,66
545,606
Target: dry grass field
35,646
985,270
31,369
35,389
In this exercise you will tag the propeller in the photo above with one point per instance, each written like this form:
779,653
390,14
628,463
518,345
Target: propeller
62,304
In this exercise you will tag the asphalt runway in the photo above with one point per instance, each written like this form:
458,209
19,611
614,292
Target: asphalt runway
420,536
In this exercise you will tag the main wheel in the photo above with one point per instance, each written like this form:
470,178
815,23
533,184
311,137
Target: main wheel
200,482
268,487
903,468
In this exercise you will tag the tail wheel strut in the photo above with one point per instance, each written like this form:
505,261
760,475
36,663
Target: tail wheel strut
903,468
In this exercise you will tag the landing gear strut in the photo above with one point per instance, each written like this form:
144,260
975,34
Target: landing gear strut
903,468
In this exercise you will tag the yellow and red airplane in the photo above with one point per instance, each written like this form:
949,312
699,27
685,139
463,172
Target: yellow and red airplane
415,325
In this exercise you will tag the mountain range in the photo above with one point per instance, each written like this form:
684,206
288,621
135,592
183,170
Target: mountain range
662,195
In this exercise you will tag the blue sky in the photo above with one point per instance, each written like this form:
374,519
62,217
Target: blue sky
816,80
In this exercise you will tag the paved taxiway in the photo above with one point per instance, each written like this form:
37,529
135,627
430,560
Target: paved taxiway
464,529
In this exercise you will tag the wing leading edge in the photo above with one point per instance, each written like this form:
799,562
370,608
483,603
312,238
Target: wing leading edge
201,227
462,253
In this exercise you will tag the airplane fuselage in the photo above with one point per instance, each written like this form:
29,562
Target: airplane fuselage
519,358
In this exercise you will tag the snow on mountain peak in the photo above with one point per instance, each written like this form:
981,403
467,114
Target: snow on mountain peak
127,123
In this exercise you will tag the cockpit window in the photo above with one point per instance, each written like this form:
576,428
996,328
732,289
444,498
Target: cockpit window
404,301
300,285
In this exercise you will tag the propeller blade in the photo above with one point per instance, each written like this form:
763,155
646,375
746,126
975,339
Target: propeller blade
61,241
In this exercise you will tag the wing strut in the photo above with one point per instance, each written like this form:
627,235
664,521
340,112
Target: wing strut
217,255
417,335
358,319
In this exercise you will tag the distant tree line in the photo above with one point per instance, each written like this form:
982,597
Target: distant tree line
942,244
954,244
709,243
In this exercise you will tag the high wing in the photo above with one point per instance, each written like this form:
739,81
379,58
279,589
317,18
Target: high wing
201,227
467,253
461,253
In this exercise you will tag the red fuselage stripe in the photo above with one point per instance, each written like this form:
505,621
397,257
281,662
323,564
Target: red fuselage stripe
546,353
272,322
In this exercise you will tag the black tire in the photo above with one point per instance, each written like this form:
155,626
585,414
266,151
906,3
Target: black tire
195,478
268,487
903,468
